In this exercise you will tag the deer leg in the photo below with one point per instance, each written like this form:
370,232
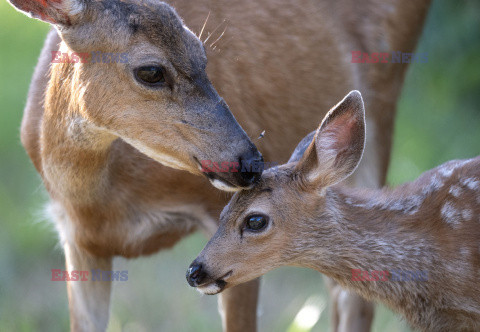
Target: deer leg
356,314
350,312
238,307
88,300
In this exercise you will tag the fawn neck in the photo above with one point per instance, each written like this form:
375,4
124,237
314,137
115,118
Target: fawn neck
370,233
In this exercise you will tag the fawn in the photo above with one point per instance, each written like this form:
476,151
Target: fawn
298,215
101,134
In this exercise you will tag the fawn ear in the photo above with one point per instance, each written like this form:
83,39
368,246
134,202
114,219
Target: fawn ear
301,148
336,148
58,12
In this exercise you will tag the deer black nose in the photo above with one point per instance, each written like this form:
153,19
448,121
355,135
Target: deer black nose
251,168
195,274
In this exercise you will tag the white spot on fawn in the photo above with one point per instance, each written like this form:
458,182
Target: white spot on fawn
451,215
470,183
455,190
465,251
435,184
409,205
348,201
446,171
467,214
448,168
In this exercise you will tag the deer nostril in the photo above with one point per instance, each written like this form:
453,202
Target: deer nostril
195,274
251,169
195,271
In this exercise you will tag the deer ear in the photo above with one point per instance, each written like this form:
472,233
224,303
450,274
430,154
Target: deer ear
336,148
58,12
301,148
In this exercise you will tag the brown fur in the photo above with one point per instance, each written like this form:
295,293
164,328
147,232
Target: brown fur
277,64
431,224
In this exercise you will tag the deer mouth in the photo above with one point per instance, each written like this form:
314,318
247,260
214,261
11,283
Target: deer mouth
217,180
215,286
231,178
223,185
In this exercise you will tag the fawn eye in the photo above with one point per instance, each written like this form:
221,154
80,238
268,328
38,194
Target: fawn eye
255,223
150,75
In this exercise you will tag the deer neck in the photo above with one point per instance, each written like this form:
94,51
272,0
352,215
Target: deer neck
369,231
75,152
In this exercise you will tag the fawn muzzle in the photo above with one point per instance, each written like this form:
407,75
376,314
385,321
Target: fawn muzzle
197,276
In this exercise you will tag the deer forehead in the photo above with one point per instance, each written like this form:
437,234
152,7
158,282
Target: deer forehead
244,203
265,198
155,20
261,205
142,14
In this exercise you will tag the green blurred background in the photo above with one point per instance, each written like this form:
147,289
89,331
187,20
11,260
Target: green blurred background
438,120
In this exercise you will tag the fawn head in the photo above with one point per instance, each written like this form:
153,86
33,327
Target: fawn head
143,80
265,227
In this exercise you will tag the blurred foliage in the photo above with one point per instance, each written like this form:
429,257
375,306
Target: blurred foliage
439,110
438,119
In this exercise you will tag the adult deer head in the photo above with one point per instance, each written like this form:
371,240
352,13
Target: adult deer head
136,72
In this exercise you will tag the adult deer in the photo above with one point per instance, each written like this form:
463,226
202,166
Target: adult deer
296,215
89,128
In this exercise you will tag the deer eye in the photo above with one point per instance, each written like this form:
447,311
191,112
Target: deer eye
150,75
255,223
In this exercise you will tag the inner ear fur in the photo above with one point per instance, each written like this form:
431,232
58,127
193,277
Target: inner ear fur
337,145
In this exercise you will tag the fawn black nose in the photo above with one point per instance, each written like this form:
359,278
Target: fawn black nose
195,274
251,167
